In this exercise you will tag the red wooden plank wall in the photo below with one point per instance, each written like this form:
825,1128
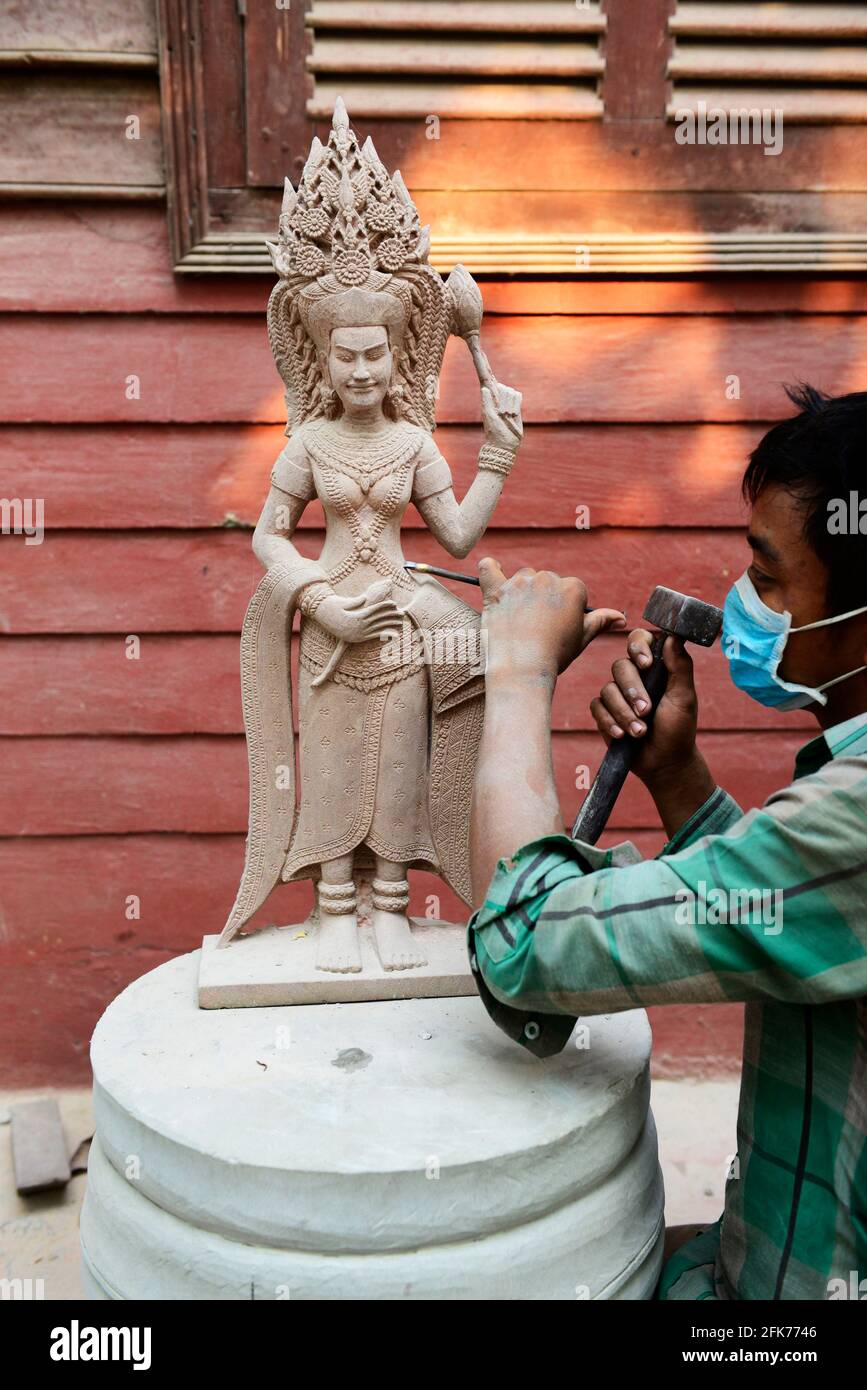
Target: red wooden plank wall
127,778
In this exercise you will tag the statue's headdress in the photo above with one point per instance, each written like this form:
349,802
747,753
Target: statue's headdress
351,252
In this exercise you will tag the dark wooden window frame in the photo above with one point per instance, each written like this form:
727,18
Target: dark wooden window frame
615,196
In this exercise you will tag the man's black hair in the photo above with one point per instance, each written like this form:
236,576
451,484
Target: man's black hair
820,456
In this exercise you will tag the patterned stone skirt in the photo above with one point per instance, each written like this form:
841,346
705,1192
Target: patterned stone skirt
364,739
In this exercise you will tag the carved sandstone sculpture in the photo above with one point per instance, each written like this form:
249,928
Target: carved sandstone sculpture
390,685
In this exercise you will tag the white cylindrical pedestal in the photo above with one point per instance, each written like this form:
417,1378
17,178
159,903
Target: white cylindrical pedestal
404,1149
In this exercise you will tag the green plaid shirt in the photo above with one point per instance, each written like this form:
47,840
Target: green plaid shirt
769,908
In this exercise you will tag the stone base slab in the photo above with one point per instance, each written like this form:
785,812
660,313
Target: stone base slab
277,966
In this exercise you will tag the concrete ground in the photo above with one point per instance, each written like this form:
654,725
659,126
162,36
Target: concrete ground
39,1235
695,1121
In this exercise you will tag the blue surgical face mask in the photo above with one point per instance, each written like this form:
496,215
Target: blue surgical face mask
754,639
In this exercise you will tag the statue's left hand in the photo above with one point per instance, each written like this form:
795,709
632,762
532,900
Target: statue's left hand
501,416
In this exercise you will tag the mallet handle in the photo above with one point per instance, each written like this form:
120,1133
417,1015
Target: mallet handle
619,757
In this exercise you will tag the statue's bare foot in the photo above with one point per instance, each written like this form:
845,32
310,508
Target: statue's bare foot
395,943
337,945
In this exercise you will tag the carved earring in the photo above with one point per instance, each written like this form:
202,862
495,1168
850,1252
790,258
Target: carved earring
395,397
327,395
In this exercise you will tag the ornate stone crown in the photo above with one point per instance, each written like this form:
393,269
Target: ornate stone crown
352,253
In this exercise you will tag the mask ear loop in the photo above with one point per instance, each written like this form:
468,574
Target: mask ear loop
838,679
826,622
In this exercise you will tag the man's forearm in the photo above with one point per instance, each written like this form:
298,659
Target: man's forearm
679,793
515,797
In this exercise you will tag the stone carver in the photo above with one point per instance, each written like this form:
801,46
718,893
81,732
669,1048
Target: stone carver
391,684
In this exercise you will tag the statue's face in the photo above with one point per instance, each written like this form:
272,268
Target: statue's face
360,366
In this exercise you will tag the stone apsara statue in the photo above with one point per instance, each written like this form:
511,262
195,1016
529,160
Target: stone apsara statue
388,733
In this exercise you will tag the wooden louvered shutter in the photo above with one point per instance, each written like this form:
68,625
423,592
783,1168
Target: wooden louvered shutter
807,59
537,136
399,64
492,59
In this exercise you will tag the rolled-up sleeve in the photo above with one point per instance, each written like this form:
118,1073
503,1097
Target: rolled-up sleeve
738,907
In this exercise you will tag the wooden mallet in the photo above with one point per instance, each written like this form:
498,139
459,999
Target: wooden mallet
677,615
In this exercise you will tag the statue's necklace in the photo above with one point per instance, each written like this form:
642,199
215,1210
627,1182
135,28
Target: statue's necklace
364,458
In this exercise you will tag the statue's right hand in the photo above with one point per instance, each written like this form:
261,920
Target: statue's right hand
355,618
